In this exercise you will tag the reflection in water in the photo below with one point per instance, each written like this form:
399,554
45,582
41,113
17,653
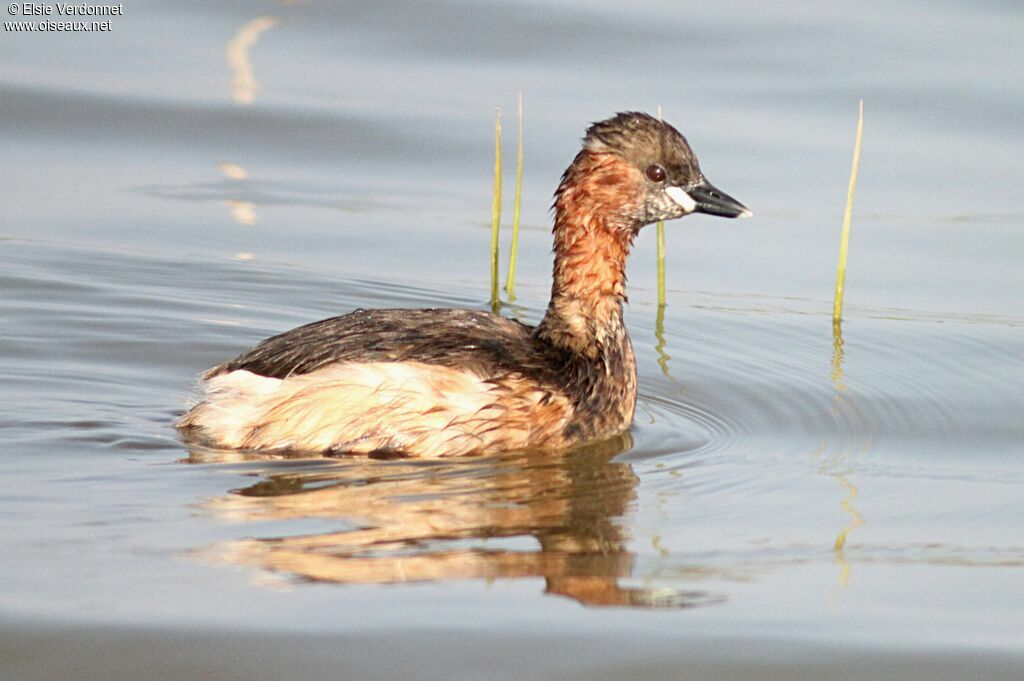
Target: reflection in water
659,334
837,355
244,86
243,212
535,514
233,171
856,519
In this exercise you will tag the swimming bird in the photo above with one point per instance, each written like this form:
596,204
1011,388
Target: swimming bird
448,382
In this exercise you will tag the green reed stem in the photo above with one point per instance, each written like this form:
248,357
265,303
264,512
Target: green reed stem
496,210
661,253
837,306
514,250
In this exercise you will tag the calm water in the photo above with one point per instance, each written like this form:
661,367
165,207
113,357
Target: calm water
786,506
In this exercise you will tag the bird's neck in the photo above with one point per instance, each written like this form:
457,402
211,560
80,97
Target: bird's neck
592,239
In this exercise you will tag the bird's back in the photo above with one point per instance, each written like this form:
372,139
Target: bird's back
483,343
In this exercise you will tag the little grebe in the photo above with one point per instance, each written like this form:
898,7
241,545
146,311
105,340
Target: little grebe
432,383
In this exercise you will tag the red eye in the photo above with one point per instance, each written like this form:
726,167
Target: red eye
655,173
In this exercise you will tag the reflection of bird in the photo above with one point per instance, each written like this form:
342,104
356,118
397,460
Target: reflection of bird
551,515
448,382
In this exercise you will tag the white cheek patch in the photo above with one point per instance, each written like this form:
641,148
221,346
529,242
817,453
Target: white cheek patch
682,199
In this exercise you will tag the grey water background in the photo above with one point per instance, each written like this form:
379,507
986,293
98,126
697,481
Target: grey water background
208,174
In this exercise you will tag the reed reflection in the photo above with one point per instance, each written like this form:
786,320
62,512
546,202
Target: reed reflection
856,520
552,515
841,405
243,212
243,84
837,356
659,335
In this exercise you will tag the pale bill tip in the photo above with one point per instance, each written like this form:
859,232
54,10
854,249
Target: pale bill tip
747,213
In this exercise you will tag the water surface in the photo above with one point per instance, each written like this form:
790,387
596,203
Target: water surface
788,504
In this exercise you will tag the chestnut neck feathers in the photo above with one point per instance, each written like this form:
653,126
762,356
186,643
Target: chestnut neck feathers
594,228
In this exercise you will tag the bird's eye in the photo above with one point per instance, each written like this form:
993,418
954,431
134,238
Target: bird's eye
655,173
